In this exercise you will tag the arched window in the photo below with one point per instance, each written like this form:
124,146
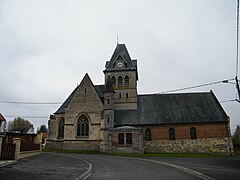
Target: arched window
126,81
108,100
120,81
113,80
83,126
171,134
193,133
108,119
61,128
148,135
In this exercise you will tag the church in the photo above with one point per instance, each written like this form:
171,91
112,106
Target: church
114,118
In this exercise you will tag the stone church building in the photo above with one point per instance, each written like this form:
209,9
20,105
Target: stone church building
113,117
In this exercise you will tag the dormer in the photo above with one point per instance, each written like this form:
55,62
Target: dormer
120,63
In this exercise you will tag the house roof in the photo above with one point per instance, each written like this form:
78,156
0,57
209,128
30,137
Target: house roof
173,108
2,118
23,129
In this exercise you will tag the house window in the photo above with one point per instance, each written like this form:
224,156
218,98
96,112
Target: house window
120,81
113,80
121,139
193,133
148,135
126,81
171,134
129,138
126,95
83,126
108,100
120,95
61,129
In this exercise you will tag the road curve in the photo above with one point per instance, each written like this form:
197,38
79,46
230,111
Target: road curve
115,167
88,166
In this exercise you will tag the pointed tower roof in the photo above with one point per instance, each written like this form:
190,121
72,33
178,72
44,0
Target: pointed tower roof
108,86
122,53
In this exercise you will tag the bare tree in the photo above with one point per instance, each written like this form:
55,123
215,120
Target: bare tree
236,138
42,128
19,124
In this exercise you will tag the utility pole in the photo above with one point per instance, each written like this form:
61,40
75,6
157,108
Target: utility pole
238,90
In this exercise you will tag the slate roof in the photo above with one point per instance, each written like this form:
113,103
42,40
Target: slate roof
108,87
122,51
99,89
166,109
126,128
173,108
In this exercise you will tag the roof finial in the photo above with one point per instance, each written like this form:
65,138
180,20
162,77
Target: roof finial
117,39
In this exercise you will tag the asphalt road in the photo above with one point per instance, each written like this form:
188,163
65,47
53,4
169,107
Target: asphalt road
73,166
44,166
115,167
226,167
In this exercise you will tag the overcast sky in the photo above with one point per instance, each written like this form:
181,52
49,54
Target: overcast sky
47,46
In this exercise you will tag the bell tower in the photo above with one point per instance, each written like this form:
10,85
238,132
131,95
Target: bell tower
122,71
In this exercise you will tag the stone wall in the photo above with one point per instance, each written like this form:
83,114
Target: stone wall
82,145
85,101
54,144
125,97
85,145
137,141
205,145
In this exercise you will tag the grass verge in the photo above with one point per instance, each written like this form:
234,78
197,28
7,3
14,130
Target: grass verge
70,151
177,155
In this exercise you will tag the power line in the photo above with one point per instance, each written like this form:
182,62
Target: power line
231,100
122,98
27,116
31,103
147,112
197,86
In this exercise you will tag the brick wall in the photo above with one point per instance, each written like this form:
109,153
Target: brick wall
182,131
211,138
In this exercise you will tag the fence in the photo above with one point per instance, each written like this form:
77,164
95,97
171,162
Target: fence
17,149
29,147
8,151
